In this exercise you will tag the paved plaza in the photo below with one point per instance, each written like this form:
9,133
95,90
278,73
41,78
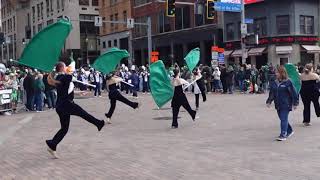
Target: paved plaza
232,140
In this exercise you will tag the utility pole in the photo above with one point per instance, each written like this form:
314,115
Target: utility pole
149,39
243,34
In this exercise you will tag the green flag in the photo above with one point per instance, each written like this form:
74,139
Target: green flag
160,84
44,49
192,58
294,76
107,62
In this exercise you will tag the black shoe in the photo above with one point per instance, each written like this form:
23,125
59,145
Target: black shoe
101,125
50,145
194,115
136,106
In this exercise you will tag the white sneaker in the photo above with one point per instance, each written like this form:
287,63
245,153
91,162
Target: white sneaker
108,121
289,135
53,153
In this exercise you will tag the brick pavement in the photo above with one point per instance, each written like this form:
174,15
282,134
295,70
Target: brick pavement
232,140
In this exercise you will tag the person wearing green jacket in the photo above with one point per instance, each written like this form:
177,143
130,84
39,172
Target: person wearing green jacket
38,92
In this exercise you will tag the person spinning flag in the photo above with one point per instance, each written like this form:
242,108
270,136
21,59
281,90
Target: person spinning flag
114,95
66,107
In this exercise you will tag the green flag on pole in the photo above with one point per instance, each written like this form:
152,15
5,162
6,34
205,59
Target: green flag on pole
294,76
192,58
107,62
44,49
160,84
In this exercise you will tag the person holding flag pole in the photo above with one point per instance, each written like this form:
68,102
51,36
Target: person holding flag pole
65,106
115,95
179,98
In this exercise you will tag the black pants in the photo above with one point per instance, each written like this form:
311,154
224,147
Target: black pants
30,101
307,103
197,100
224,86
97,90
64,111
175,111
116,95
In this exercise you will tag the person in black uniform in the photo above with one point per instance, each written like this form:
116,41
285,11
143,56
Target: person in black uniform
309,93
179,99
114,95
65,106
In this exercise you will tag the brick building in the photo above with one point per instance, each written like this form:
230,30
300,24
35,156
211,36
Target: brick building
175,37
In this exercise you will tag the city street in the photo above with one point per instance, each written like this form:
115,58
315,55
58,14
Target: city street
232,140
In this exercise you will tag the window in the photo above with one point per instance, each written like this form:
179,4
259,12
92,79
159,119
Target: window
283,24
200,14
95,2
163,23
182,18
141,2
47,7
34,31
125,18
28,20
49,22
306,25
39,27
230,31
104,45
116,19
111,24
260,26
140,30
51,7
33,14
62,5
41,5
109,44
113,2
84,2
14,23
115,43
38,11
58,5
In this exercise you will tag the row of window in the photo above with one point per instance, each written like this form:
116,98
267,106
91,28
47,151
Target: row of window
115,17
9,25
37,11
282,24
87,2
115,44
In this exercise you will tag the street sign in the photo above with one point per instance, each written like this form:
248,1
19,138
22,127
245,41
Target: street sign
98,21
214,55
230,7
221,58
244,29
248,21
130,23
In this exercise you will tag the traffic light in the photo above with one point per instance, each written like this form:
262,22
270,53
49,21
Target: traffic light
171,8
210,9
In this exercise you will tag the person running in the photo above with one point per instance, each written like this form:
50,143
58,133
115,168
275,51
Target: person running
309,93
115,95
284,95
66,107
179,99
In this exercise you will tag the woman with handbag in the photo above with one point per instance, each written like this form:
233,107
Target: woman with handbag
309,93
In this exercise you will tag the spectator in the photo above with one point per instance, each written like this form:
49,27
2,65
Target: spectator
39,89
50,92
28,85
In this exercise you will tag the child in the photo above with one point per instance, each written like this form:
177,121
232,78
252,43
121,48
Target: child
285,97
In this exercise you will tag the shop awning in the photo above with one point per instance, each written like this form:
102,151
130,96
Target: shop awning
312,48
284,49
237,53
256,51
227,53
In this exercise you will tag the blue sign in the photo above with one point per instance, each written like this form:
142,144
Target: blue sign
221,58
248,21
230,7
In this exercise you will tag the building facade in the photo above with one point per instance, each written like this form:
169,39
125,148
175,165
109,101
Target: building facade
35,15
115,35
174,37
288,32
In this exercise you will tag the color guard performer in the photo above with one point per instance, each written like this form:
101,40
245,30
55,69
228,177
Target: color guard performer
65,106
